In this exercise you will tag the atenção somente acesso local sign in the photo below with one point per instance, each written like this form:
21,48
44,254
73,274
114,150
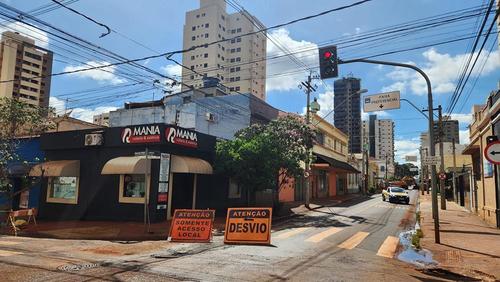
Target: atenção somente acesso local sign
151,134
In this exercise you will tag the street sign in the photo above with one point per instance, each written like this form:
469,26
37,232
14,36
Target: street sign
442,176
248,226
411,158
192,226
382,102
431,160
492,152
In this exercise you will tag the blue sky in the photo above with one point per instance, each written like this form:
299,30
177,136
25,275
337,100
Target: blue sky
158,25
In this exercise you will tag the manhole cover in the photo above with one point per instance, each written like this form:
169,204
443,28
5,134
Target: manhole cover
77,267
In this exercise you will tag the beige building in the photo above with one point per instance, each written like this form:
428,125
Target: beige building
28,66
101,119
239,63
485,127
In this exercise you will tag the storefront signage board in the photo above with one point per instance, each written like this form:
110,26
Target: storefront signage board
182,137
141,134
192,226
248,226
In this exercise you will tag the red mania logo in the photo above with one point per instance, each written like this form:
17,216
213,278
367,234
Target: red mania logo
141,134
182,137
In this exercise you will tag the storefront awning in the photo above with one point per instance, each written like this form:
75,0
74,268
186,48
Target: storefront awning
182,164
471,149
336,164
138,165
126,165
57,168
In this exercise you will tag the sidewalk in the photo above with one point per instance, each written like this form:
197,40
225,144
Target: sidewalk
468,246
136,231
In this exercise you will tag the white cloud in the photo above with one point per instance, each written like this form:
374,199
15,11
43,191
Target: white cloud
41,38
357,30
85,114
396,86
105,74
462,118
406,148
285,65
443,70
464,136
172,70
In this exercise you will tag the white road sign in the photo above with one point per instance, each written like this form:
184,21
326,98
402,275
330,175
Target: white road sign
382,102
432,160
411,158
492,152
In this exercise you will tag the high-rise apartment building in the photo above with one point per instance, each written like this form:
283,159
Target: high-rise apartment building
450,131
347,117
378,136
239,63
28,67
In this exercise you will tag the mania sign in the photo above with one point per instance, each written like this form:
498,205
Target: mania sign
182,137
141,134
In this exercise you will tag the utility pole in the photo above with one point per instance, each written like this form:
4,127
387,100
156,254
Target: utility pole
455,198
386,164
442,190
308,88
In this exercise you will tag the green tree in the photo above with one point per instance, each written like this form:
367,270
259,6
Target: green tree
402,170
17,119
261,155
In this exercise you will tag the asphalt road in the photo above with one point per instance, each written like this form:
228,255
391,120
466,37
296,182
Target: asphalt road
352,242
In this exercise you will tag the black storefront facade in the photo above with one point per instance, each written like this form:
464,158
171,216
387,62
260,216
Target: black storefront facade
123,174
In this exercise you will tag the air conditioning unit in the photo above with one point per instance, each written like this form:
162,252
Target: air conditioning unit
94,139
210,117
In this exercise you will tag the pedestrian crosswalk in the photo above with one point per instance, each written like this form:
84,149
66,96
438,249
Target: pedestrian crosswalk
311,235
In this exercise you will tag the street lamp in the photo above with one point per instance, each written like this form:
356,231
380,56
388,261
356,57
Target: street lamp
314,107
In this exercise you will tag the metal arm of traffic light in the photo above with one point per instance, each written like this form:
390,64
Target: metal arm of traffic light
431,133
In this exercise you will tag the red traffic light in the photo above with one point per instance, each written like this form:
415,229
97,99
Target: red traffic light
327,55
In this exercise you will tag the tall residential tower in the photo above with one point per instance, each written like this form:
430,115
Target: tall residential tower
28,67
239,63
347,115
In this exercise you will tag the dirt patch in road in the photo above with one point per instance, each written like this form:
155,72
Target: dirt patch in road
118,249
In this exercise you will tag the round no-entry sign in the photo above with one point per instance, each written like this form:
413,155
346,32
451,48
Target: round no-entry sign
492,152
442,176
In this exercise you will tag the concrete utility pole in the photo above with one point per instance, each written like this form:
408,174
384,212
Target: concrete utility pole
455,198
431,134
442,190
308,88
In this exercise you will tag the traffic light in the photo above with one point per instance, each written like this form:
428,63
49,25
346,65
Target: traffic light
328,62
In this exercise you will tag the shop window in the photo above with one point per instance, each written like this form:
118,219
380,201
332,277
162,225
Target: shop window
132,188
234,190
63,189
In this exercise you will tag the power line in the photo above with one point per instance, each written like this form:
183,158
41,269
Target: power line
108,30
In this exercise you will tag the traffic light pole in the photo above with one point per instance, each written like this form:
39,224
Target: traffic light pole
431,133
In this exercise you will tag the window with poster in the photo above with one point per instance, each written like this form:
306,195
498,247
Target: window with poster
132,188
63,190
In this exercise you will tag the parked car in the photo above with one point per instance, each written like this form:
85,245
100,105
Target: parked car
399,183
395,195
